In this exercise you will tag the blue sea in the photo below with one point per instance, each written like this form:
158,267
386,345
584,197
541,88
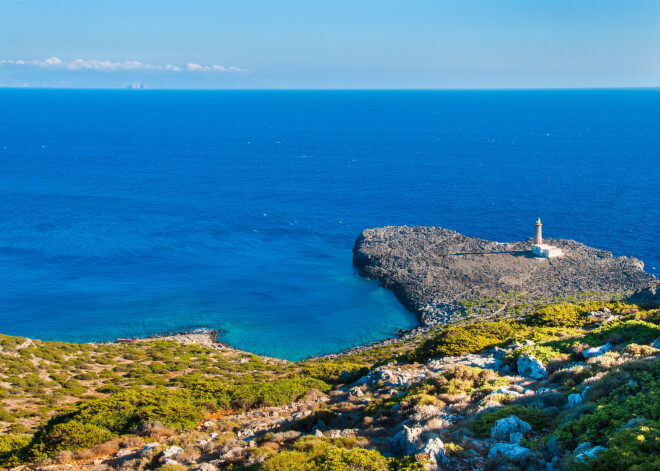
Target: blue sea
131,213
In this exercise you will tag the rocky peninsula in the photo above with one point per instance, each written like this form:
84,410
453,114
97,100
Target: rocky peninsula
439,274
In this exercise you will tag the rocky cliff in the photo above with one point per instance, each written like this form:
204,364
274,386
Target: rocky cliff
432,270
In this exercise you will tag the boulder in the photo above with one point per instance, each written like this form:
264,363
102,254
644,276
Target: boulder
510,450
204,467
582,447
355,392
503,428
172,451
590,453
530,367
435,449
515,437
597,351
574,399
408,441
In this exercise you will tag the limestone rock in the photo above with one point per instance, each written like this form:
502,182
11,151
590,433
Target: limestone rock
597,351
204,467
355,392
428,269
585,451
435,449
408,441
574,399
172,451
515,437
530,367
510,450
503,428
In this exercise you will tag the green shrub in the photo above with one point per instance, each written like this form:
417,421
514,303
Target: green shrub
464,379
86,376
465,339
537,419
12,448
311,453
559,315
74,435
636,448
330,371
543,353
631,391
623,332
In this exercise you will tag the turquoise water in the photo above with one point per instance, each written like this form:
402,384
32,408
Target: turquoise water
134,213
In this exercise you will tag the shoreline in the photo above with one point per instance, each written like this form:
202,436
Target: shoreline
396,255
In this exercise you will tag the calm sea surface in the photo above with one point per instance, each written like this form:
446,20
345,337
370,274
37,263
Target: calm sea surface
130,213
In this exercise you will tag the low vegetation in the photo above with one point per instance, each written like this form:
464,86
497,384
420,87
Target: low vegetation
67,404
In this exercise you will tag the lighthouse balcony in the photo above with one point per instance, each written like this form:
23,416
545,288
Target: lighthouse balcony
547,251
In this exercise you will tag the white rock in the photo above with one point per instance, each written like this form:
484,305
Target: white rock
597,351
515,437
407,441
208,424
574,399
530,367
436,451
172,451
511,392
170,461
590,453
356,392
529,342
247,433
205,467
214,435
510,450
124,452
503,428
150,446
582,447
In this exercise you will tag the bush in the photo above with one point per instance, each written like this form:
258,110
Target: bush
636,448
74,435
632,391
12,449
466,339
537,419
559,315
331,371
623,332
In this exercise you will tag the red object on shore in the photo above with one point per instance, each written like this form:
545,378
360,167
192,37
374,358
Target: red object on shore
126,341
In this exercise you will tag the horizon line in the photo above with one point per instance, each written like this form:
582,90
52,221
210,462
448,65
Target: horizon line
149,89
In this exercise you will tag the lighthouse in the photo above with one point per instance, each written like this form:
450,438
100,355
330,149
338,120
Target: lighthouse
538,237
539,248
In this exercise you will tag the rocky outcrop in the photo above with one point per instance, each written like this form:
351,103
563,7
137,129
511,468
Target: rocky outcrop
504,428
530,367
431,269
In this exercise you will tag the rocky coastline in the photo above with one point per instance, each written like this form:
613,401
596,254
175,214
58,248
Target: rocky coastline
434,271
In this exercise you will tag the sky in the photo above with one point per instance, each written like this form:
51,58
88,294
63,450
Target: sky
330,44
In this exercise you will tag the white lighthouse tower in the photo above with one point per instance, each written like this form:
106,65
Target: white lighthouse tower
539,248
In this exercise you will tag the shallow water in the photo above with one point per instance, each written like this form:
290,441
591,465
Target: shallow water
132,213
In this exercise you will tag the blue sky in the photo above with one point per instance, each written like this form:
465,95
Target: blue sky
339,44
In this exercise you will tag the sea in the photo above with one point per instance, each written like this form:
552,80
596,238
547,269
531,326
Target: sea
131,213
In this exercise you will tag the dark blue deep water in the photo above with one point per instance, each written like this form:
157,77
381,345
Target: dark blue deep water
134,213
